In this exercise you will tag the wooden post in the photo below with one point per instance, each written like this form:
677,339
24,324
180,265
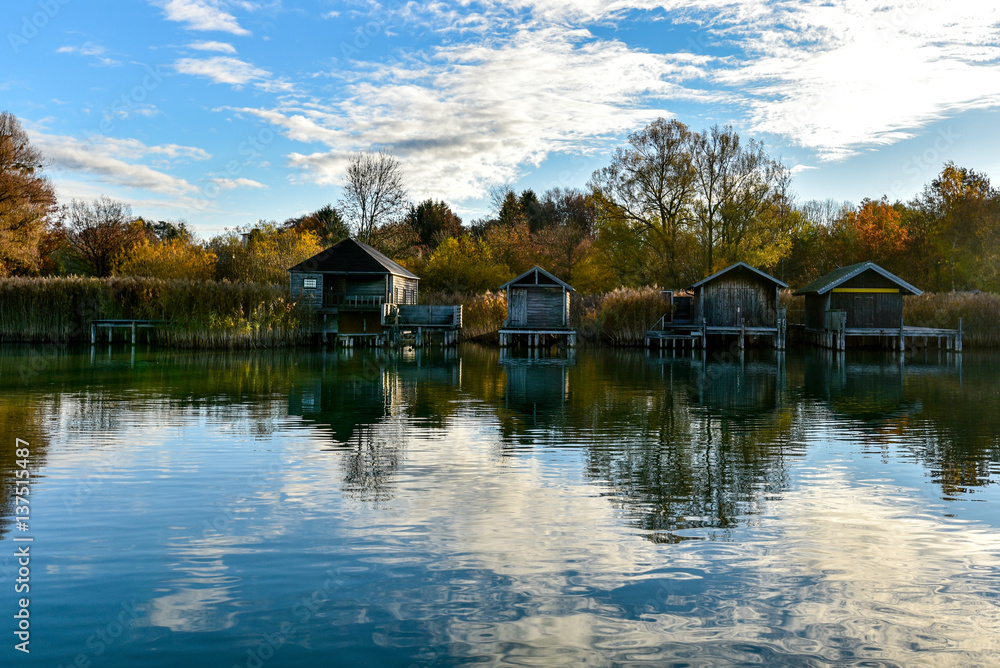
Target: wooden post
93,333
111,328
133,332
902,336
958,340
743,333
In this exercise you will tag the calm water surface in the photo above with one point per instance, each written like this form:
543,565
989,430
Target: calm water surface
616,508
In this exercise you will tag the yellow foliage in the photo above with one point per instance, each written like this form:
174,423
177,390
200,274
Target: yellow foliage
175,258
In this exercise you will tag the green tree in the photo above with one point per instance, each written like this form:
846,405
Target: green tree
26,199
433,222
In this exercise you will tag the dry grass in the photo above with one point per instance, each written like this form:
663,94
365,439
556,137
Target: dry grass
202,314
625,315
979,312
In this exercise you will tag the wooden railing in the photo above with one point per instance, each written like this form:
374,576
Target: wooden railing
331,299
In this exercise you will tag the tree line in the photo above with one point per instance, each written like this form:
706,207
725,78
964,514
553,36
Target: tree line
671,206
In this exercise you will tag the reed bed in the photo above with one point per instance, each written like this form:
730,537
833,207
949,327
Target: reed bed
626,314
198,314
979,311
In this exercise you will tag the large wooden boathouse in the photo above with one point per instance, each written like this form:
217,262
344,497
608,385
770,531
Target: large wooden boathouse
537,310
865,302
362,296
739,301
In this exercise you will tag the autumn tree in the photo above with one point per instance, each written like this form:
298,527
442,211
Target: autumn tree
26,199
172,258
649,187
564,226
463,264
958,224
262,253
326,223
742,208
99,232
374,193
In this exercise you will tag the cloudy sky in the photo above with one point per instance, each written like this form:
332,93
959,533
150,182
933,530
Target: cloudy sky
222,112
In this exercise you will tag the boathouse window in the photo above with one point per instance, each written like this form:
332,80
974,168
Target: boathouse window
309,283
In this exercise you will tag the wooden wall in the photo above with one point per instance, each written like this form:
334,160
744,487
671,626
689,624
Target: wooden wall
312,297
547,306
869,310
738,294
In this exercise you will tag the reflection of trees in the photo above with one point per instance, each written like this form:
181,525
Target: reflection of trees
946,413
369,404
697,448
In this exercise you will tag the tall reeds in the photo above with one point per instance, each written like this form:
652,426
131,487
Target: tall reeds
209,314
626,314
979,311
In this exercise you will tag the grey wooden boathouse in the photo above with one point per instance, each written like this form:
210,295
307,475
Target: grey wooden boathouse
864,300
362,295
537,310
739,300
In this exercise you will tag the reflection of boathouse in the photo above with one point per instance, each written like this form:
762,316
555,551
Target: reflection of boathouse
740,301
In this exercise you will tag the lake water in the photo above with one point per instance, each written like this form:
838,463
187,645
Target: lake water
358,508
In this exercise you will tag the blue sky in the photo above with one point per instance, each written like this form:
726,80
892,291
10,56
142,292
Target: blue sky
223,112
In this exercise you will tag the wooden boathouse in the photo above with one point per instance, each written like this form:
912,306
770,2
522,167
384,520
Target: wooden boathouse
537,310
864,300
363,296
739,301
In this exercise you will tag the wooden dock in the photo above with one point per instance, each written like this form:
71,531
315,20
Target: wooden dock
836,334
671,335
132,326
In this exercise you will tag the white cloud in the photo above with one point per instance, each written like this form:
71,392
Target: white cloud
221,47
232,184
91,50
227,70
116,162
203,15
466,116
840,77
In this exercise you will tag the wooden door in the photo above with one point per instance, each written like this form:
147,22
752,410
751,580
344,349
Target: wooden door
518,315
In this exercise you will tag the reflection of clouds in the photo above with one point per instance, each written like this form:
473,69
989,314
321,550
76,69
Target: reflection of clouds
192,610
526,564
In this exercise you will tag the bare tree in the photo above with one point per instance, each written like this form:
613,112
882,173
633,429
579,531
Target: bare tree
26,198
99,232
374,193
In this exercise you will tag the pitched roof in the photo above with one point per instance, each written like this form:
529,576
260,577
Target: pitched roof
738,265
828,282
536,270
353,257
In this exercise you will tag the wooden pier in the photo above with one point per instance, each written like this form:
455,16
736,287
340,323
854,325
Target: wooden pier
836,333
132,326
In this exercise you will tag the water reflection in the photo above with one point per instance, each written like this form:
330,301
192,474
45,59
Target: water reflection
612,509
